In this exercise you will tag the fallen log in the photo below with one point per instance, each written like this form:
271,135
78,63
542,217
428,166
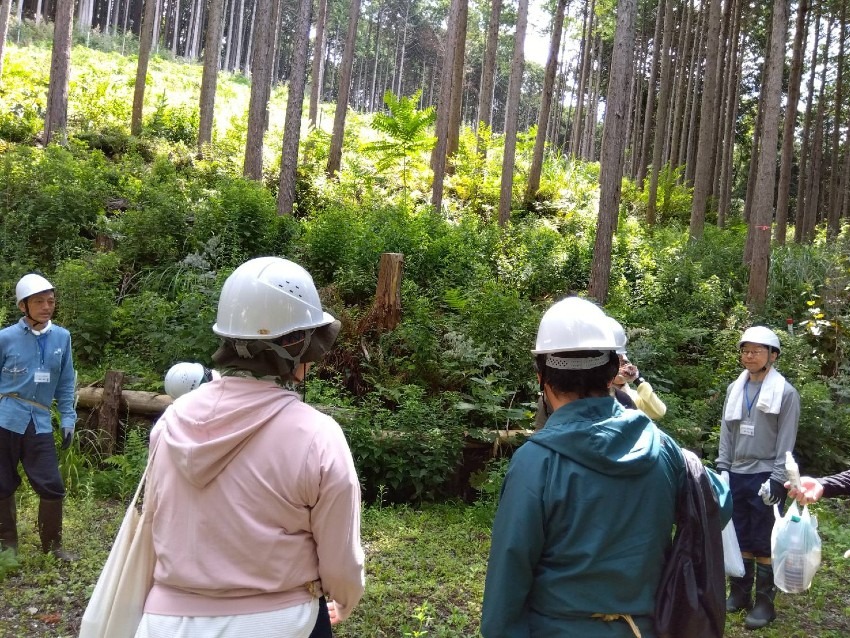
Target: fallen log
136,401
151,404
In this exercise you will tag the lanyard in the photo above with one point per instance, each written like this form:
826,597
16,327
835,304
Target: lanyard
749,402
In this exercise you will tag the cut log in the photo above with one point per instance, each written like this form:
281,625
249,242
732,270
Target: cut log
138,402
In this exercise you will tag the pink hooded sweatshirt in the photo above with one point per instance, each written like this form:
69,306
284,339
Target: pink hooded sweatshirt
255,504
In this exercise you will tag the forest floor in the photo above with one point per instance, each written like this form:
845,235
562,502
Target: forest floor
425,575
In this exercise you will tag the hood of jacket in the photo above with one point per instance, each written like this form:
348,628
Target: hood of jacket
205,429
603,436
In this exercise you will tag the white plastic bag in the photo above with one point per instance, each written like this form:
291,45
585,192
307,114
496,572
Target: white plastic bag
733,562
795,549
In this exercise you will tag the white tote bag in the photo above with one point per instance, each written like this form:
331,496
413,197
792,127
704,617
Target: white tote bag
118,600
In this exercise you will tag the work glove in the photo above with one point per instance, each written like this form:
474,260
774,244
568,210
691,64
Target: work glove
724,476
777,492
67,437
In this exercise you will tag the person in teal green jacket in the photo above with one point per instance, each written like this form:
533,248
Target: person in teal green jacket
588,502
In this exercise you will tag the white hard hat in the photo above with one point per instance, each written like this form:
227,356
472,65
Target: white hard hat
30,285
574,324
761,335
620,337
267,297
185,376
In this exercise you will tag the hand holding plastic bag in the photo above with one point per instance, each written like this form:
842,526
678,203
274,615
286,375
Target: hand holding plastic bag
795,549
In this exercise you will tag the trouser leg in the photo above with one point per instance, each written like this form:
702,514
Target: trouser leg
50,529
8,524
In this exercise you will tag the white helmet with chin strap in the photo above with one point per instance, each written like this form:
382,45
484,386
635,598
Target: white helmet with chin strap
264,299
185,376
30,285
571,325
761,335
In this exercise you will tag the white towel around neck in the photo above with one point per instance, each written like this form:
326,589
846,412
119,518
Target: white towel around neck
769,400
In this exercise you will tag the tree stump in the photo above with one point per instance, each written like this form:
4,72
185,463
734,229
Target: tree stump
386,310
108,413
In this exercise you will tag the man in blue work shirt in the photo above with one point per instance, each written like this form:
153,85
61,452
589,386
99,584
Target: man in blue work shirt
37,368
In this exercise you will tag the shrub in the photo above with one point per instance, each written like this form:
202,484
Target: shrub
86,300
406,449
242,215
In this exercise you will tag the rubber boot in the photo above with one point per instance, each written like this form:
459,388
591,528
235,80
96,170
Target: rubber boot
8,524
741,589
50,529
763,612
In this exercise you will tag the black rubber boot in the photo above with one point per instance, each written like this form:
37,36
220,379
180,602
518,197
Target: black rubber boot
50,529
8,524
763,612
741,589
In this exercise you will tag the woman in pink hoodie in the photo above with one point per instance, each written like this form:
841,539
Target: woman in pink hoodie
254,496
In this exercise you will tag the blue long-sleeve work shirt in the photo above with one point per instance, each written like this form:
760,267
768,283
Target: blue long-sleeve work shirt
35,370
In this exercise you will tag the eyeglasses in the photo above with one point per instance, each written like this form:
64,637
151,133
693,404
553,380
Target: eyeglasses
753,353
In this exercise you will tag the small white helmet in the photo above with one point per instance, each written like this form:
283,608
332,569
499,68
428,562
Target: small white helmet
30,285
761,335
268,297
619,335
185,376
574,324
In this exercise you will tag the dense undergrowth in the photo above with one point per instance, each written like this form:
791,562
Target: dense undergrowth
139,233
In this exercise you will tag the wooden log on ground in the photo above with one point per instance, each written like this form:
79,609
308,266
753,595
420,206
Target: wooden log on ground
138,402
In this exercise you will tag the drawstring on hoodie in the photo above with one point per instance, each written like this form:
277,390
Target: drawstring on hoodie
627,617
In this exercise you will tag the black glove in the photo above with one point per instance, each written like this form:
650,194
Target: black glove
778,493
67,437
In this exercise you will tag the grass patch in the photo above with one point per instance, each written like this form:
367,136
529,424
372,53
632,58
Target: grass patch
425,575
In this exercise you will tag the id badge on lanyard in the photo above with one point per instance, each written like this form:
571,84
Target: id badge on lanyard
42,376
748,428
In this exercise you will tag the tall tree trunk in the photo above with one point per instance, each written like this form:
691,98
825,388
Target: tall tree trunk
175,36
400,90
545,103
145,44
262,63
680,86
583,80
813,180
294,108
240,38
689,132
650,95
834,206
5,9
766,176
613,145
807,126
661,113
56,115
790,123
488,70
457,86
335,153
730,116
373,100
209,77
589,145
317,71
512,114
444,105
754,155
707,132
249,50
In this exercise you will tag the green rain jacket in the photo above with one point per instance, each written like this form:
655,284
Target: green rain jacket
586,513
